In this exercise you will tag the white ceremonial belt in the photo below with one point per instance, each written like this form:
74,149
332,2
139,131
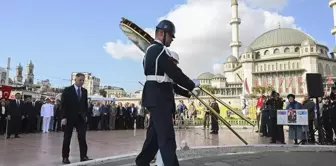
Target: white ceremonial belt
158,78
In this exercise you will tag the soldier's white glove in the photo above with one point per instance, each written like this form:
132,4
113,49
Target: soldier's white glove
196,82
196,91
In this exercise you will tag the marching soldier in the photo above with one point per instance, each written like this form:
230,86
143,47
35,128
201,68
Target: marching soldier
158,97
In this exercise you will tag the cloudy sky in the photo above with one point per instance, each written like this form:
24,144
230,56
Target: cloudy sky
65,36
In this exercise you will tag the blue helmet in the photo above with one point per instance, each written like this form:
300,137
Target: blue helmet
167,26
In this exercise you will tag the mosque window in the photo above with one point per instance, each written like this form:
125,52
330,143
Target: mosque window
268,68
276,51
272,67
280,66
289,66
293,66
306,49
266,52
321,51
297,65
297,49
286,50
285,66
312,49
257,55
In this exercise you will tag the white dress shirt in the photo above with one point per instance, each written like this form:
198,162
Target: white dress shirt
3,110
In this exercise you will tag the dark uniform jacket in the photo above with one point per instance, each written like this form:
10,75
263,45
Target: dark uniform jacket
158,94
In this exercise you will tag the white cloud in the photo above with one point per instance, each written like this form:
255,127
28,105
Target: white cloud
267,4
203,33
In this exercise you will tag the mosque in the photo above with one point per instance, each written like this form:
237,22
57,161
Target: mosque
279,58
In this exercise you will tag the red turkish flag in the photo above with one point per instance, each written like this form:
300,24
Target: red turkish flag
290,82
256,82
330,80
281,81
273,82
6,91
246,86
264,82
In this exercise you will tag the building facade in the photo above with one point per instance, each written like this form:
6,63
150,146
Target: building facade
279,58
91,83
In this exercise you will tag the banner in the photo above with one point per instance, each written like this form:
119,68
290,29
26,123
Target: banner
6,91
292,117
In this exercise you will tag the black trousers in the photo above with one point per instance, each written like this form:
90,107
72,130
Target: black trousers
104,123
95,122
3,123
31,124
57,123
80,124
214,123
265,124
160,135
140,122
311,130
131,123
24,125
328,129
14,126
277,131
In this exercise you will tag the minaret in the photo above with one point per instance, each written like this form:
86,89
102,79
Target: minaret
235,21
30,73
332,4
18,76
7,74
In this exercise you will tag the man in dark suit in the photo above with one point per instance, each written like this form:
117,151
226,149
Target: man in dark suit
15,115
74,105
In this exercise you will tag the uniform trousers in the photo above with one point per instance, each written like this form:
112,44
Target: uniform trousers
160,135
46,124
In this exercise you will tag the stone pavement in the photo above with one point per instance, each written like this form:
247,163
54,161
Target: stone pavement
267,159
250,155
45,149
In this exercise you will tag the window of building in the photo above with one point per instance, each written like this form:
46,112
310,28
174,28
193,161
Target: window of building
276,51
306,49
286,50
297,49
266,52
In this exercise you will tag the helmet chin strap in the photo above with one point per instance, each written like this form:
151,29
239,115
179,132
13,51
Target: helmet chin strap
164,38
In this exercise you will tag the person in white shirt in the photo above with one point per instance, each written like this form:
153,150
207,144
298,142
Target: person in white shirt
47,111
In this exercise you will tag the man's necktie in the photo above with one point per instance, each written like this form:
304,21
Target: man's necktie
17,102
79,93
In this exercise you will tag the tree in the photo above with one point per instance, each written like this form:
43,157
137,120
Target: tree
102,92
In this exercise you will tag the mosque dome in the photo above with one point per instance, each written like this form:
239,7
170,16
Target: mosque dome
205,76
218,76
231,59
248,50
281,37
308,43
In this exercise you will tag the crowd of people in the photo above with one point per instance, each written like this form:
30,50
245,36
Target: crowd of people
41,116
267,118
